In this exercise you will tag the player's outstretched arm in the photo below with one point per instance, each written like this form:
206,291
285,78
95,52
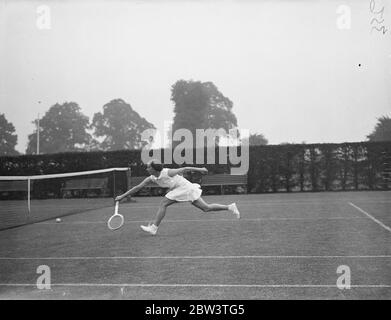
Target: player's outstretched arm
173,172
135,189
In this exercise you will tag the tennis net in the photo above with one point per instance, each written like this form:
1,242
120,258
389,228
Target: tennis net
30,199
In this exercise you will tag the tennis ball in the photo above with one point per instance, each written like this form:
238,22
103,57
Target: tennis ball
58,220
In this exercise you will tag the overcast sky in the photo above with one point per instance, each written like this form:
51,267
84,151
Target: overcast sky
291,73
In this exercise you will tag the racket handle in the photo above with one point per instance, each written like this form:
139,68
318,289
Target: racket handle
116,207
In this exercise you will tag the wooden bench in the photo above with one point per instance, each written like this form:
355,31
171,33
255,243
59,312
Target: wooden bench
14,189
17,185
99,185
223,179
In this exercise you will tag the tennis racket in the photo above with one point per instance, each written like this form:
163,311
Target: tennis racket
116,221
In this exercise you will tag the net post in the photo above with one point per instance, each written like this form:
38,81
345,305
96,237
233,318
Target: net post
114,191
28,195
128,178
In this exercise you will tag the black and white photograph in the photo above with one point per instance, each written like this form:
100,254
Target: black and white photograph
205,151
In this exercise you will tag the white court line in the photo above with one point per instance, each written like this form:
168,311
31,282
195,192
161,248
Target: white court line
242,202
371,217
199,285
205,220
199,257
245,203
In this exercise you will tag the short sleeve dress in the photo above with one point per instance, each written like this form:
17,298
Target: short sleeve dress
180,189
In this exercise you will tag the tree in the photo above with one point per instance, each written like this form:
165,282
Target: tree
257,139
8,138
200,105
63,128
382,131
119,126
220,109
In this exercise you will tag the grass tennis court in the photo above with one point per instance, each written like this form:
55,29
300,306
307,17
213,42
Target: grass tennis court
286,246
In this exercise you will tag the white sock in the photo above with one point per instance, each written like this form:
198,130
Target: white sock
154,227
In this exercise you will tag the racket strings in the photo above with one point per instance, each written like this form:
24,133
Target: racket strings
116,221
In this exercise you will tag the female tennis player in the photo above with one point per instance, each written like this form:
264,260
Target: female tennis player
180,190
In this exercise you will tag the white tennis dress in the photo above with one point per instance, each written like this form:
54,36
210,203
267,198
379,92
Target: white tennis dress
180,189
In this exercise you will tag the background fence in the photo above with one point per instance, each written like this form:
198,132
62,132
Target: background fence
272,168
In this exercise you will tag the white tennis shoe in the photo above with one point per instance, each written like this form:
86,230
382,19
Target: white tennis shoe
151,228
232,207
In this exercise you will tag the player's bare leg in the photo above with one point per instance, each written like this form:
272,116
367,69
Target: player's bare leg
162,210
152,228
213,207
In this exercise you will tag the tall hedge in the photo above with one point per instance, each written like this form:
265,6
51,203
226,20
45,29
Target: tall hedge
320,167
272,168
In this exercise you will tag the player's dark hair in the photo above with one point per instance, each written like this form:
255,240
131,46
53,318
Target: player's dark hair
156,166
